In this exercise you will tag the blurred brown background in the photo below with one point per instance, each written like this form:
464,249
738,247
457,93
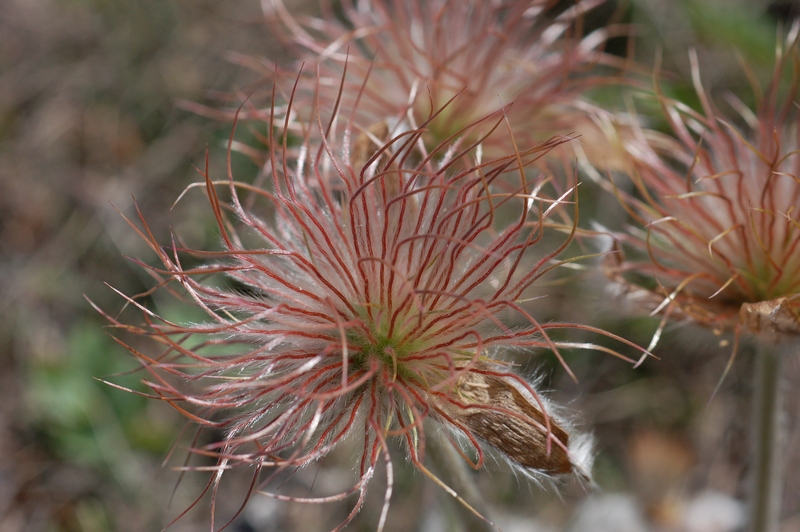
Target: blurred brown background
89,119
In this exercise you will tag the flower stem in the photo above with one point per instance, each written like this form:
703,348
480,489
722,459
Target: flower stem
451,464
768,440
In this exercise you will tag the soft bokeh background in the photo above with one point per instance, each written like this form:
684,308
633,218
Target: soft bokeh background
89,119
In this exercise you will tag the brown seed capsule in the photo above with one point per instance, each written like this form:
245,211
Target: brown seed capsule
776,321
501,412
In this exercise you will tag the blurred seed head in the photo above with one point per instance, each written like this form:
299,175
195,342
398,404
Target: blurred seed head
398,61
717,237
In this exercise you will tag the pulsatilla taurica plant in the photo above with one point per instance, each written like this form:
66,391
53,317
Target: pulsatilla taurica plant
717,237
416,55
373,298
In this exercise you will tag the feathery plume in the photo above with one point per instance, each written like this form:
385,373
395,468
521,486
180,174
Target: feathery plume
717,238
372,292
401,60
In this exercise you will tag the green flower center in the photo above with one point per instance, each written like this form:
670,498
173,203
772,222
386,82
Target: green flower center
390,352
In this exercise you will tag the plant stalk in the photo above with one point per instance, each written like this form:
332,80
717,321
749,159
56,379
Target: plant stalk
458,477
768,440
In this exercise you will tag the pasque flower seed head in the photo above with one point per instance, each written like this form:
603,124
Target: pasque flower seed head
369,294
718,238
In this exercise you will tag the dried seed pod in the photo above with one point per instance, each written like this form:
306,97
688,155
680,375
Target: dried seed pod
501,411
775,321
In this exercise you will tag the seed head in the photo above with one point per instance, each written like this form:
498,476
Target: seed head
718,238
369,294
403,59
